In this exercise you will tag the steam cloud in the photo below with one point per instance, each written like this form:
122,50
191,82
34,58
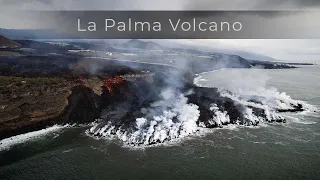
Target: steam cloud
173,117
167,119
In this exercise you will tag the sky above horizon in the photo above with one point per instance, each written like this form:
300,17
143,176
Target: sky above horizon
306,50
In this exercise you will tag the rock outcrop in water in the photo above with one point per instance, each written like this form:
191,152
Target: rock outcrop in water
39,90
173,113
137,112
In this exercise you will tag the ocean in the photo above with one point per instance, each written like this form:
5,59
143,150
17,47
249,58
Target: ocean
269,151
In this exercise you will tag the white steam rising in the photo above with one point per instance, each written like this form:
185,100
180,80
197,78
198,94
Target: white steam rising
219,118
249,88
167,119
173,117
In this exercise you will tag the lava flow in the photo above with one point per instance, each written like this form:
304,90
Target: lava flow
111,82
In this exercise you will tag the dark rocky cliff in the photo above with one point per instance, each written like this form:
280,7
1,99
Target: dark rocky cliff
7,43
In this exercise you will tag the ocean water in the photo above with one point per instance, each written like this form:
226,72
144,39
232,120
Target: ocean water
269,151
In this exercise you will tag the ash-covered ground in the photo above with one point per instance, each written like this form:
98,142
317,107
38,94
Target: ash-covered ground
170,107
141,101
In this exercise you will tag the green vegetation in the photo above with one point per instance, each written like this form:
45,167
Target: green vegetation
7,80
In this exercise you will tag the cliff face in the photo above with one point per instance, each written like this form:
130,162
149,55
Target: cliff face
49,95
7,43
83,106
28,104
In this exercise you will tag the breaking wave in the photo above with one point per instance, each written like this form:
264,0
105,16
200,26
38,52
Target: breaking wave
199,77
23,138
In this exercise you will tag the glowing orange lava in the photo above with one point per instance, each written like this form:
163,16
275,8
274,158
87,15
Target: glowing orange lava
111,82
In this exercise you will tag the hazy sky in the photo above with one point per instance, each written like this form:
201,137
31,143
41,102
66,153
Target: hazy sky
307,50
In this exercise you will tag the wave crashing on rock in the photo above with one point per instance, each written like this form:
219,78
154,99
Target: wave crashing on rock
178,114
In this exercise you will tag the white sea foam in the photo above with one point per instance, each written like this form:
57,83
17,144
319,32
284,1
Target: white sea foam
251,85
249,88
67,151
168,119
173,119
199,77
299,120
22,138
197,80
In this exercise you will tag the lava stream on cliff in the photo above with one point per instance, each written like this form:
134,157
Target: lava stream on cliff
111,82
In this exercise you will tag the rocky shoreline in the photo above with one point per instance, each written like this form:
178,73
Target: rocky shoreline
166,119
29,104
50,85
